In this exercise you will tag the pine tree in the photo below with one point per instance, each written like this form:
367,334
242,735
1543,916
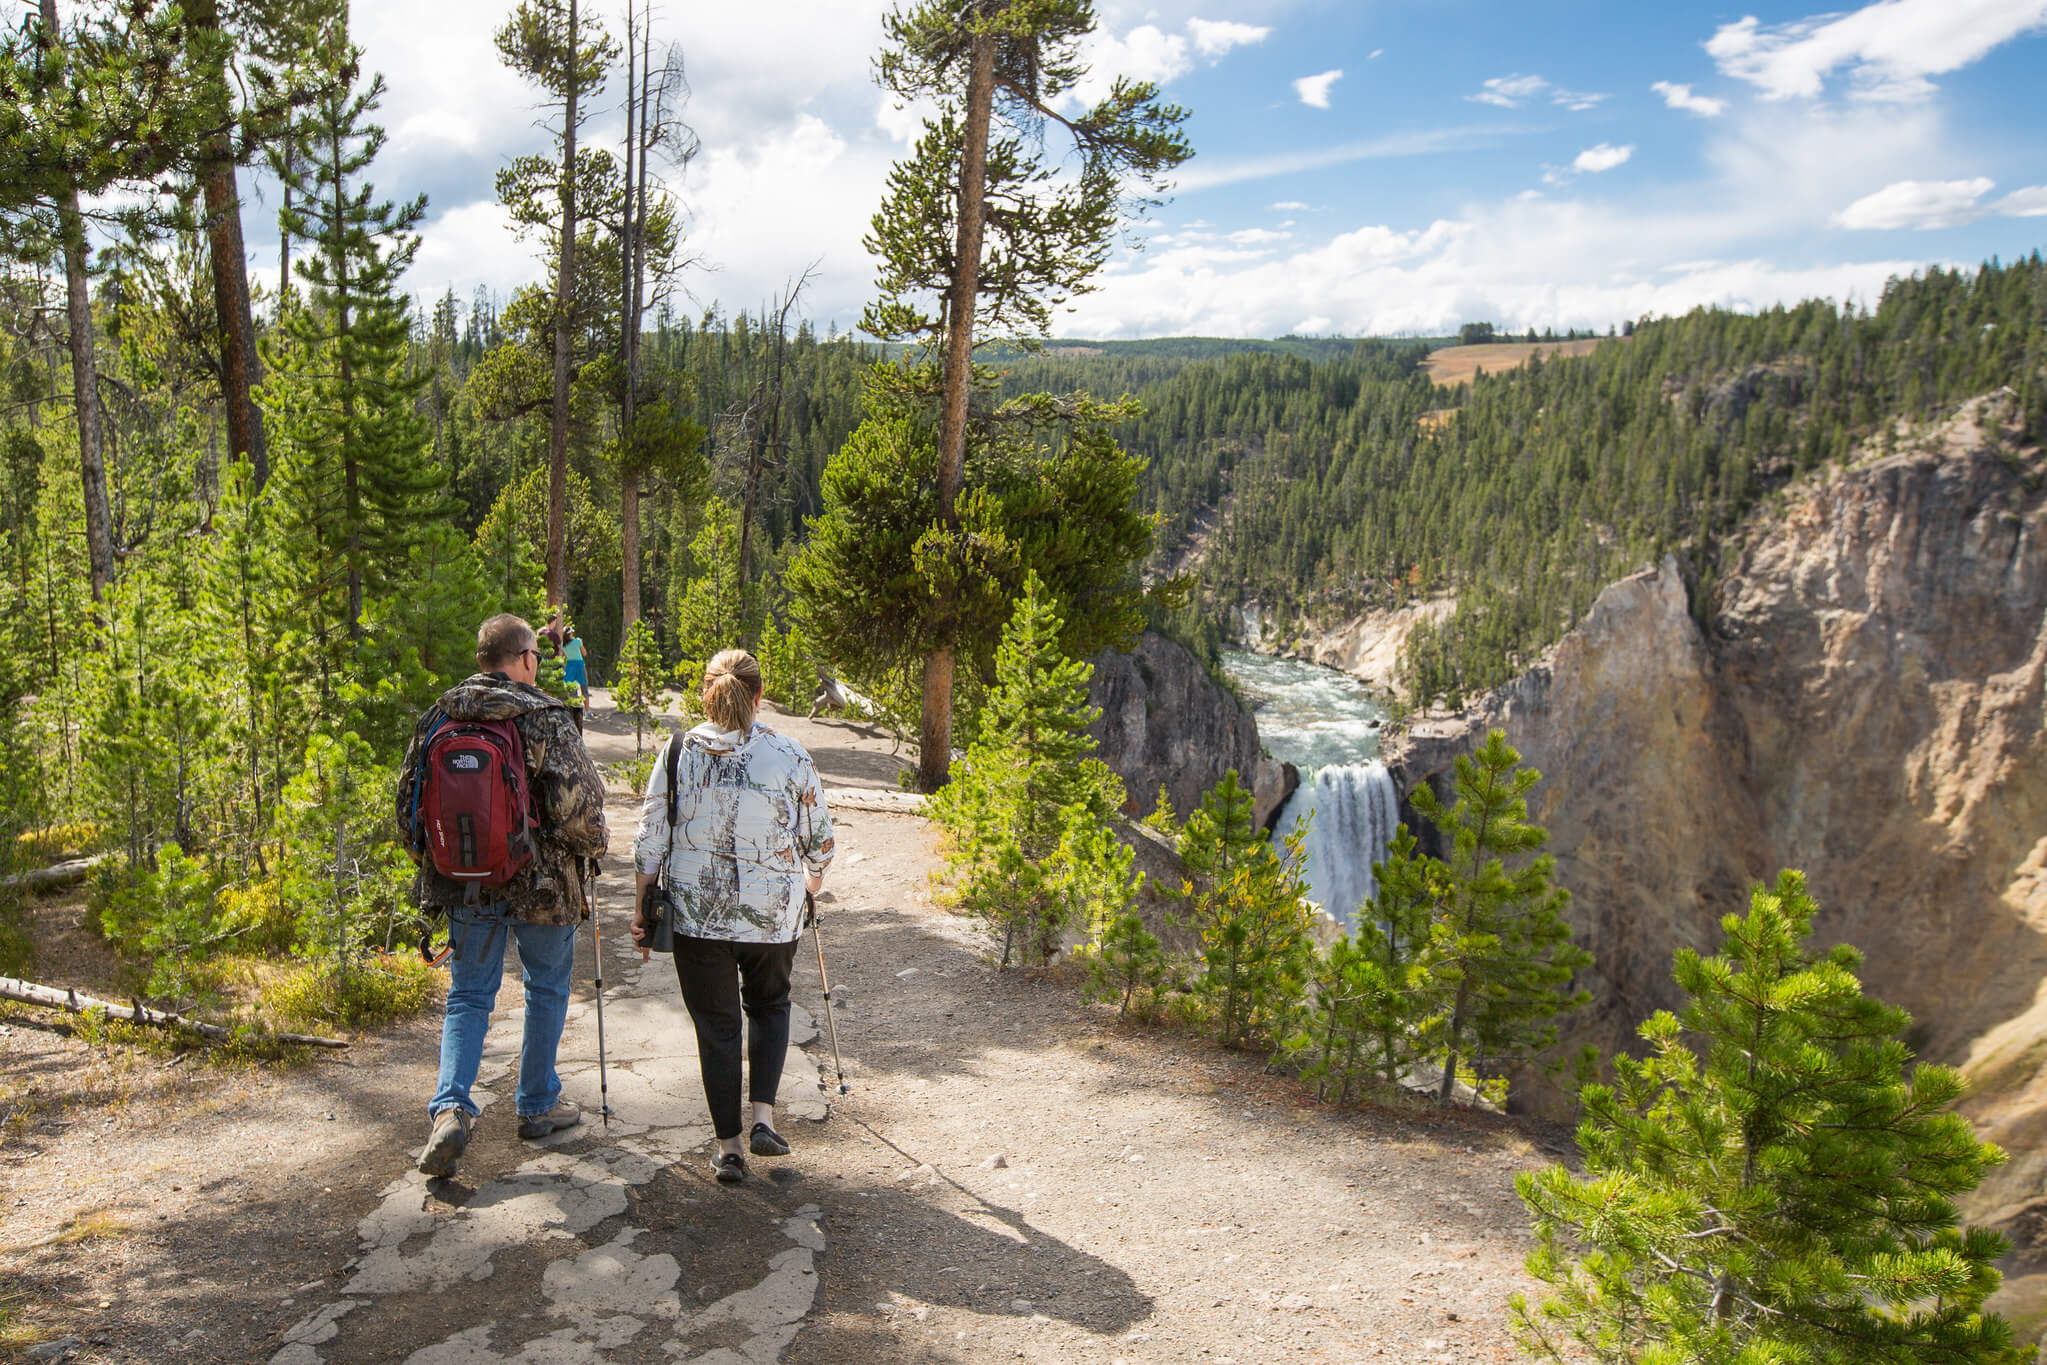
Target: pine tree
1500,943
1030,776
711,611
997,69
1219,838
1255,946
638,690
352,335
1774,1182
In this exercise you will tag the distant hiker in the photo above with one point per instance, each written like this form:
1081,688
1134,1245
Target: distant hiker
554,632
501,806
746,835
830,696
572,668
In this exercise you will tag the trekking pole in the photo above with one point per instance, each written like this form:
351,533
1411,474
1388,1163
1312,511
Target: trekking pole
597,929
830,1025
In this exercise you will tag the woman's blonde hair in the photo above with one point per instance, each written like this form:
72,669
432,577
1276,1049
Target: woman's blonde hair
732,689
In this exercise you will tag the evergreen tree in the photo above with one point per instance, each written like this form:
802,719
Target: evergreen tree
351,335
1774,1182
1499,943
1219,838
997,69
1030,776
711,612
1375,1001
1255,945
638,691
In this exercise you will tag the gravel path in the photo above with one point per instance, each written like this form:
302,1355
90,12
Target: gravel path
1013,1176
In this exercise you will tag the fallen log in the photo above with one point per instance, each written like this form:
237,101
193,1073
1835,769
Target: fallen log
135,1012
70,872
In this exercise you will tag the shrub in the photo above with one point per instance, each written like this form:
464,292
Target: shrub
258,915
374,990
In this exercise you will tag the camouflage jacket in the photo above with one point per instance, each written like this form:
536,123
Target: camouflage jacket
568,796
750,820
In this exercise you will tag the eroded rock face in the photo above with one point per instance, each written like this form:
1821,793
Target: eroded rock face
1165,722
1866,704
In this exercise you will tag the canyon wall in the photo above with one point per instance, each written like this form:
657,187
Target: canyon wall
1864,702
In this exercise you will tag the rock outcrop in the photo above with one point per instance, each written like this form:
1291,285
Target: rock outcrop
1865,703
1166,722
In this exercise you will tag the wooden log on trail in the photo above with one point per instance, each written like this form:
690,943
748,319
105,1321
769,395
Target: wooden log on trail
135,1012
70,872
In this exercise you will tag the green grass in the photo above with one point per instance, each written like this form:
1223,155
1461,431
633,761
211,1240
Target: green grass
358,995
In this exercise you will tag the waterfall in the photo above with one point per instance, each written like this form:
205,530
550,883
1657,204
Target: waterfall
1355,810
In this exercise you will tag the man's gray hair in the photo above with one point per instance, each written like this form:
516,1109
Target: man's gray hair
501,639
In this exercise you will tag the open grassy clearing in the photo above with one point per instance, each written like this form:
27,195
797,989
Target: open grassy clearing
1454,365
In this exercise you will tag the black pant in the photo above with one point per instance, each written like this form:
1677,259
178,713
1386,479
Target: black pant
718,976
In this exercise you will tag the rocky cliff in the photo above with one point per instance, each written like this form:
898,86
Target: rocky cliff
1165,722
1864,702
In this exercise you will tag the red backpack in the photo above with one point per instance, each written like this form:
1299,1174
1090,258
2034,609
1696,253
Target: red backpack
472,808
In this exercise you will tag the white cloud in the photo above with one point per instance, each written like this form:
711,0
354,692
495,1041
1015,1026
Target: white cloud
1917,204
1681,97
1257,237
2030,202
1889,48
1508,91
1290,206
1603,157
1314,90
1373,56
1213,38
1576,100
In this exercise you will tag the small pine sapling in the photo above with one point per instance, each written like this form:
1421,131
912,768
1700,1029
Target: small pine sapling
1775,1181
639,691
1128,967
1500,943
1255,946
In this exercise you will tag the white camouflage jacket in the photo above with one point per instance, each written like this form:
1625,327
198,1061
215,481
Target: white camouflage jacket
750,821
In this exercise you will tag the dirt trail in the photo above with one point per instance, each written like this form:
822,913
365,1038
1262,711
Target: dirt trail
1012,1177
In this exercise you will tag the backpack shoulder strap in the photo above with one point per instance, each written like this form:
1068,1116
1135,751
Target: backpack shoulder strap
668,764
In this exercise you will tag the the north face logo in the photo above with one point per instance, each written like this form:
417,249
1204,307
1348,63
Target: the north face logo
465,763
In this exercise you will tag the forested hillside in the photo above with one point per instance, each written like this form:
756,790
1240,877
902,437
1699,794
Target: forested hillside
1551,481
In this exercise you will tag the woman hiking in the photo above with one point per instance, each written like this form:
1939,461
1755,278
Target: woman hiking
748,842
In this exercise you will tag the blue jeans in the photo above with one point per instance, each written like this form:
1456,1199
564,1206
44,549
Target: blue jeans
547,956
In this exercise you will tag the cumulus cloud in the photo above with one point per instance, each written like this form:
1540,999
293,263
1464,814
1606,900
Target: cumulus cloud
1681,97
1213,38
1314,90
1603,157
1920,204
1258,237
1889,49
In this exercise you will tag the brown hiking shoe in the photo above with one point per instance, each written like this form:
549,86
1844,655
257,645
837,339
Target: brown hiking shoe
445,1144
566,1114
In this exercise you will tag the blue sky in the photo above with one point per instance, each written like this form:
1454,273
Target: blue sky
1362,167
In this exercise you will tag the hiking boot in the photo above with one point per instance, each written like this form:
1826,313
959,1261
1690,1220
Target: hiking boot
564,1115
765,1141
445,1144
729,1167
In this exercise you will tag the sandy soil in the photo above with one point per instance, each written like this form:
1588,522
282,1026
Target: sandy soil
1013,1176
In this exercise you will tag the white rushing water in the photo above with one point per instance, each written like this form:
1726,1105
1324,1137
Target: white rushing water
1352,810
1326,724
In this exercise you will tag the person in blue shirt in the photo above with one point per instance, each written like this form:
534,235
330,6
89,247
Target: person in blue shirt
572,665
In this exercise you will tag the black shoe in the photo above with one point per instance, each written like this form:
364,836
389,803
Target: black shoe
767,1142
729,1167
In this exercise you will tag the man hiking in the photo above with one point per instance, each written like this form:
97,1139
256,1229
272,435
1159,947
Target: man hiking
500,805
